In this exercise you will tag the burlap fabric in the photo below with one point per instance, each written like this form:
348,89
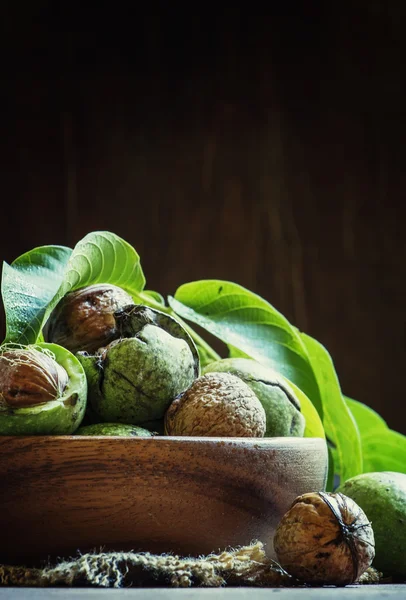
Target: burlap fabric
245,566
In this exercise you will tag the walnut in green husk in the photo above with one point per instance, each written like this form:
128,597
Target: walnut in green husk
325,539
382,495
135,378
114,429
84,319
281,405
42,390
216,405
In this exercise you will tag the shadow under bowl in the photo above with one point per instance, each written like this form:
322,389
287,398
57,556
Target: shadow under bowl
186,495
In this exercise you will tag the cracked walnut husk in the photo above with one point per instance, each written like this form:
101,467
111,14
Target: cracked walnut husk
134,378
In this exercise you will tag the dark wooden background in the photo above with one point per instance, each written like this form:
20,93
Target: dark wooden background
264,148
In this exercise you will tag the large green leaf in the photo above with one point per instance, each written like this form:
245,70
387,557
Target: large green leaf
382,448
246,322
314,426
339,424
27,286
366,418
100,257
103,257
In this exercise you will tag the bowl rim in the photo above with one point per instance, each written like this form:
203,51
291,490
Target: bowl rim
281,441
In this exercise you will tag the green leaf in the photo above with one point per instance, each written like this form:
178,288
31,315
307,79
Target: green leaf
234,352
248,323
205,357
339,424
382,448
366,418
27,286
103,257
100,257
314,426
151,297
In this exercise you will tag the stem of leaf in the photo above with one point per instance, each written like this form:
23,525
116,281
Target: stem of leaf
199,341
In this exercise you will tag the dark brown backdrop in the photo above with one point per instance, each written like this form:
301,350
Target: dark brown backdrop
267,149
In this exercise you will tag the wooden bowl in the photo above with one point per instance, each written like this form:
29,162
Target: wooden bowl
191,496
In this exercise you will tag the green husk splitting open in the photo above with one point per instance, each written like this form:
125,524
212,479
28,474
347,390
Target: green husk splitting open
135,378
61,416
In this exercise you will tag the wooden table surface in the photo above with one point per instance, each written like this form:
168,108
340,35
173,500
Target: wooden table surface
370,592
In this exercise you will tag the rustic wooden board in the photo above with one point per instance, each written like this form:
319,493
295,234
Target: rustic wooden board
186,495
366,592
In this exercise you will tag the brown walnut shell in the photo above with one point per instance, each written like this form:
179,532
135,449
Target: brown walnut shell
29,377
216,405
84,319
325,539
